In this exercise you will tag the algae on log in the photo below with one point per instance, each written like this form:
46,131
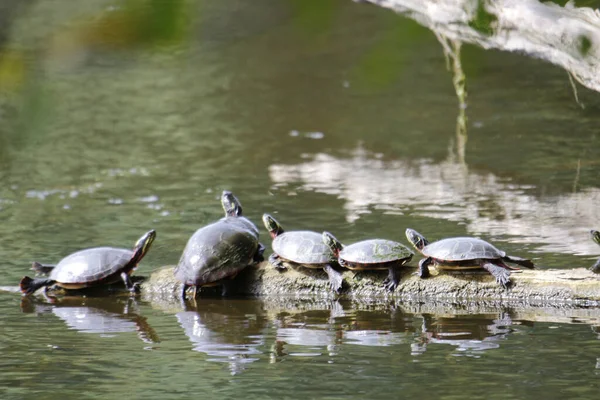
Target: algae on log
574,286
565,36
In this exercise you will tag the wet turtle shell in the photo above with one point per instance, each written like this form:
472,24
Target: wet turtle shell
217,251
95,266
369,254
90,266
302,247
462,249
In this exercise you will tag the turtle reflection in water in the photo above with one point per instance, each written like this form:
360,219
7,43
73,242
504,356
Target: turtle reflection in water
596,238
301,249
104,315
91,267
220,250
374,254
464,253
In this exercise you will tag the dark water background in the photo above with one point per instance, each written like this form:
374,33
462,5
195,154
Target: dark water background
117,117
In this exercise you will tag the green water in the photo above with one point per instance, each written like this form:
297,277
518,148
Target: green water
120,117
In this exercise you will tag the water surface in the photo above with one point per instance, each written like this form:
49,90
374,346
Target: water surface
118,117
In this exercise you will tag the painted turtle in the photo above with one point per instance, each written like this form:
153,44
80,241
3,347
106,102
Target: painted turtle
464,253
219,250
373,254
596,238
91,267
301,248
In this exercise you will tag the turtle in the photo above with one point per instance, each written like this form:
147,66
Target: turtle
372,254
91,267
301,249
596,238
465,253
219,250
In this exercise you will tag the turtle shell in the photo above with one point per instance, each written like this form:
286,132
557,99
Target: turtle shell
217,251
91,265
302,247
375,251
462,249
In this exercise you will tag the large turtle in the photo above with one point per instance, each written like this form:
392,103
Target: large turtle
596,238
91,267
219,250
464,253
301,248
373,254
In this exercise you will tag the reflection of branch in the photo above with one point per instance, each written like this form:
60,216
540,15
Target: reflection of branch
574,86
452,54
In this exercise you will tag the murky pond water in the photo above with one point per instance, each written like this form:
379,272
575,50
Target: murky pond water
118,117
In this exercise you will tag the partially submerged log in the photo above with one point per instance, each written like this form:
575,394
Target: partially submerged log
570,286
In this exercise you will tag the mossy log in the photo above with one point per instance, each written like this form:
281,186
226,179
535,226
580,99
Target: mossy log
569,286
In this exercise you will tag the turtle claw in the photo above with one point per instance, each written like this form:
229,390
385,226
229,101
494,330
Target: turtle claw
336,282
135,288
502,275
423,271
276,262
392,281
389,285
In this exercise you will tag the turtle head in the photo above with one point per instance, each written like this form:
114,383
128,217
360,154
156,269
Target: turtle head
416,239
595,236
231,205
143,245
335,245
272,226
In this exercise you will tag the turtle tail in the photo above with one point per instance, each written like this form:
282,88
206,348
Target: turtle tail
41,268
29,285
520,261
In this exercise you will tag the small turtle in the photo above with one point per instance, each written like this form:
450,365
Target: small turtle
219,250
301,248
373,254
596,238
91,267
464,253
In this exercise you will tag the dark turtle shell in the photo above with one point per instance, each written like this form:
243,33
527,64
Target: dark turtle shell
375,251
91,265
462,249
217,251
302,247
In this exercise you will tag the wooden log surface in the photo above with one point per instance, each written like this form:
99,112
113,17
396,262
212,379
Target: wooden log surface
578,287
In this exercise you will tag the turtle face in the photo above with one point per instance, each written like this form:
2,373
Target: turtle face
143,245
416,239
595,236
333,243
231,205
272,226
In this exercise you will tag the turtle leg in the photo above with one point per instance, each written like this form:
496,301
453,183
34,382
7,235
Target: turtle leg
596,267
133,288
275,261
28,285
523,262
184,291
41,268
335,278
392,281
501,274
424,267
258,256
